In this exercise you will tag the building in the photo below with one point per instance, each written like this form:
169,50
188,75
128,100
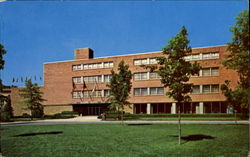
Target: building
80,84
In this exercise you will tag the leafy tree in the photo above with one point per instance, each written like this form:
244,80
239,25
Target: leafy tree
2,52
120,86
32,98
238,60
175,72
6,110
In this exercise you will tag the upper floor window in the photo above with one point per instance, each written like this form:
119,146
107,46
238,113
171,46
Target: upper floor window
92,79
195,56
153,61
154,76
140,76
210,71
77,94
77,67
140,61
196,89
108,64
140,91
106,92
156,91
77,80
107,78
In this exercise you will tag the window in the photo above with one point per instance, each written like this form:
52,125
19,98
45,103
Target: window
214,55
77,94
140,76
108,64
196,89
141,61
144,91
77,67
152,61
107,78
92,79
94,66
106,92
206,55
90,66
195,56
85,94
206,89
140,91
85,66
77,80
154,76
188,58
156,91
215,88
215,71
206,72
99,65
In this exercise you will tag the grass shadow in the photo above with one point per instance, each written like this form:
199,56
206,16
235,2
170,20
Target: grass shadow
139,124
39,133
196,137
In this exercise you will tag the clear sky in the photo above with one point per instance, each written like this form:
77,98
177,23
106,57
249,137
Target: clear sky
37,32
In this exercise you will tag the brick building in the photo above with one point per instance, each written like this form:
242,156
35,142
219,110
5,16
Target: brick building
80,84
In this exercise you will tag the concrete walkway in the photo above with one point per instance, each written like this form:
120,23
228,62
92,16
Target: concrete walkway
94,120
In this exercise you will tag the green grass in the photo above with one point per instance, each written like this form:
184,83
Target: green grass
114,140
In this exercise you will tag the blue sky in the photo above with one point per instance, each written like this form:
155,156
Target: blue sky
38,32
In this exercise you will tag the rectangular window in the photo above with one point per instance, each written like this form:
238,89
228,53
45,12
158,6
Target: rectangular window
154,76
92,79
144,61
85,66
94,66
85,94
196,89
153,91
108,64
215,71
215,88
99,65
152,61
90,66
77,67
160,91
136,91
144,76
144,91
137,76
196,57
107,78
188,58
77,94
77,80
106,92
140,76
206,89
215,55
137,62
206,55
156,91
206,72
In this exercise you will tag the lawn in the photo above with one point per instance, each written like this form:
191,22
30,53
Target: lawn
114,140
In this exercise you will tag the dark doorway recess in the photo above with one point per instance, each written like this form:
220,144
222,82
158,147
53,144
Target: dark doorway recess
90,109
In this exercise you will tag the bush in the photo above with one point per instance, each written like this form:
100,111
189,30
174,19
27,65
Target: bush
62,115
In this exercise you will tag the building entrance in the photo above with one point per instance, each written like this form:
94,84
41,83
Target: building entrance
90,109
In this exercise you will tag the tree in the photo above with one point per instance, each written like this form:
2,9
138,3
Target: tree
120,86
238,60
33,98
2,52
175,72
6,110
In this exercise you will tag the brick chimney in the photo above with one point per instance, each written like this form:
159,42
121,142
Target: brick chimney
84,53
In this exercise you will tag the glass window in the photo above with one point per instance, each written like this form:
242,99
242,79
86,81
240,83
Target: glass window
144,91
153,91
77,80
137,62
106,64
137,76
111,64
77,67
152,61
160,91
215,71
214,55
195,56
144,76
206,89
206,72
214,88
106,92
188,58
136,91
85,94
196,89
85,66
206,55
107,78
154,75
85,79
95,66
99,65
90,66
144,61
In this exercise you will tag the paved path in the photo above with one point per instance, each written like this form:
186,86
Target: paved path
94,120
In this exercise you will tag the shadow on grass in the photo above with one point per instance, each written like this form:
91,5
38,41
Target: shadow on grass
139,124
40,133
196,137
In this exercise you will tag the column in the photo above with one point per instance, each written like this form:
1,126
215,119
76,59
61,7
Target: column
201,107
148,108
173,108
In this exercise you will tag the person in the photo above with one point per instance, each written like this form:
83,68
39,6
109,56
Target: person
103,116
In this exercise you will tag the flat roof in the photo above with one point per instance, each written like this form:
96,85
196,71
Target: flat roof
124,55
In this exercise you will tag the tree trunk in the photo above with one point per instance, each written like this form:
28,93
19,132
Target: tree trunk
179,121
122,115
